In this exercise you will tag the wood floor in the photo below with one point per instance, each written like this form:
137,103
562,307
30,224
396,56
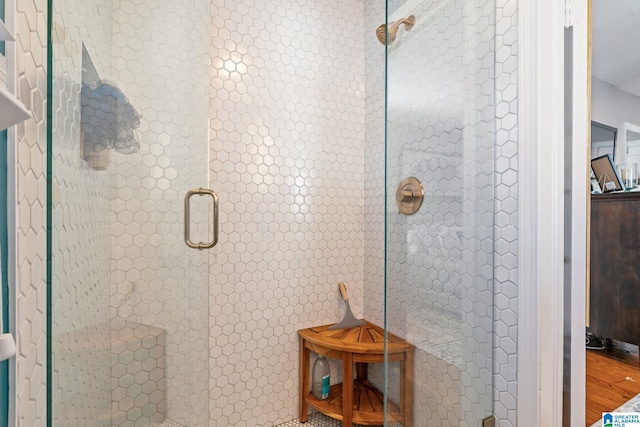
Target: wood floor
613,377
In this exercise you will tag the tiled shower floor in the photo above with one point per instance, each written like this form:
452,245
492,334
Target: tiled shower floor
316,419
168,423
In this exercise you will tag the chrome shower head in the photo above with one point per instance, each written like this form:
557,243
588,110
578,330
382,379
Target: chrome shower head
389,36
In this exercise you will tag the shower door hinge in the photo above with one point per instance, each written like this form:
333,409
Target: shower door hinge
489,422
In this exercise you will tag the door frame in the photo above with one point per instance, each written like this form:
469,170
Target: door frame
541,198
579,19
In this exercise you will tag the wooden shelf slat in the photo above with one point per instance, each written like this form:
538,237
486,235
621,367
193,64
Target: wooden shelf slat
368,407
365,339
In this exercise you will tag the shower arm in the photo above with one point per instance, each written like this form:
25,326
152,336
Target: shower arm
408,23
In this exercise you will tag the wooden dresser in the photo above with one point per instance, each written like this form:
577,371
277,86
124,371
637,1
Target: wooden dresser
614,308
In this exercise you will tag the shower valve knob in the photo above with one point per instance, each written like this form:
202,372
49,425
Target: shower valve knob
409,196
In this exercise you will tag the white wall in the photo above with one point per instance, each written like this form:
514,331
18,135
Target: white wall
612,107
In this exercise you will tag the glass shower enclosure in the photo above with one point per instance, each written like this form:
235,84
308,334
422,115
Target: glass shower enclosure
318,186
129,316
439,254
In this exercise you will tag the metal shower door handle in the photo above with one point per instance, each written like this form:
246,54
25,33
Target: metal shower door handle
187,218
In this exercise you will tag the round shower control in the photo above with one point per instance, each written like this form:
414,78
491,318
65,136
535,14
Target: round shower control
409,196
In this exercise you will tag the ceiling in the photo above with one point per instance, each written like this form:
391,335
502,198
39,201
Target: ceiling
616,43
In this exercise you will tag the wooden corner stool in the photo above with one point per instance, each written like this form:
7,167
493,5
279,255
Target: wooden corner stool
356,400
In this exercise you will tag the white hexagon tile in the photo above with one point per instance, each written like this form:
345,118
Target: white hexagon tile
279,107
505,313
287,142
30,233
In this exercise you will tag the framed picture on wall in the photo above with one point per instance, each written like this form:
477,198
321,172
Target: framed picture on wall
603,140
606,174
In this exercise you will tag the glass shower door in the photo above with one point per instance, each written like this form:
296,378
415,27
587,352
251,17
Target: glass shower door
439,277
129,299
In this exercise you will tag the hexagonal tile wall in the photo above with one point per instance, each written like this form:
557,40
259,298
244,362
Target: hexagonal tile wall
287,159
506,221
80,232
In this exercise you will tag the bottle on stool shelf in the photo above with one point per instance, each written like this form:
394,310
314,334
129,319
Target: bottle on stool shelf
320,379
